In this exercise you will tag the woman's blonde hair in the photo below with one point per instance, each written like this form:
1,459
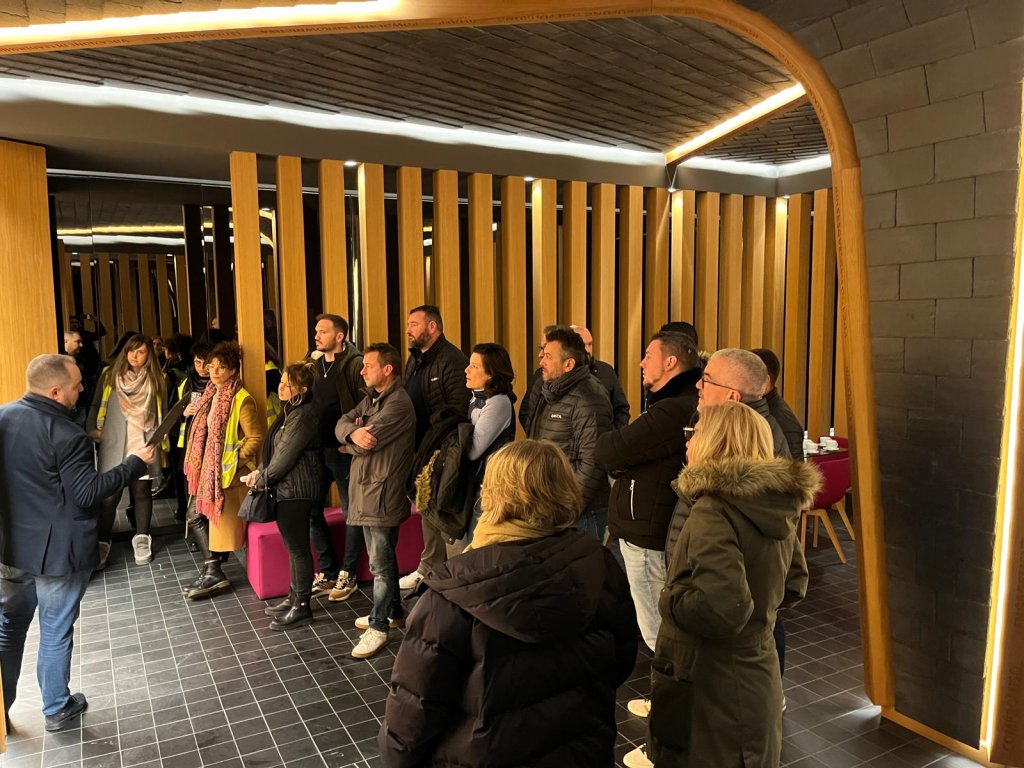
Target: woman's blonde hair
731,430
531,480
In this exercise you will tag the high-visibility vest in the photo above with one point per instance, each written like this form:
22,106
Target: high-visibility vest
108,390
181,429
232,443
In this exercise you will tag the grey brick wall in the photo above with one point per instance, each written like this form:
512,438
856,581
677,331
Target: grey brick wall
933,90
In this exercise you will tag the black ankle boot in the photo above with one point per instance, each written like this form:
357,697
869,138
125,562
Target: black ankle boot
298,615
213,581
280,609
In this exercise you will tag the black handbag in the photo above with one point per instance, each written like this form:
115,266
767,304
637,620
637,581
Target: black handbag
259,506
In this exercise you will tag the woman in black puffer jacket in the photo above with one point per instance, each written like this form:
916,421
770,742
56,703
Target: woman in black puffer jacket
292,465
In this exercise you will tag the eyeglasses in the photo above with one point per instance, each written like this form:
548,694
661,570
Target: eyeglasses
705,380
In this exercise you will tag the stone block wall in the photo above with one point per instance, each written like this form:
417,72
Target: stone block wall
933,88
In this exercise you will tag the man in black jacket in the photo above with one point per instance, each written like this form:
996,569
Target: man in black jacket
48,546
435,378
779,408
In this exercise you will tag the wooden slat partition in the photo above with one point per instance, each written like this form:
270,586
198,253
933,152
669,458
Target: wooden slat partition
447,271
85,271
411,266
513,282
223,256
574,252
823,316
291,243
104,278
706,300
543,193
127,302
245,212
775,235
163,292
67,291
602,298
483,311
798,273
334,264
630,323
730,274
683,232
656,286
181,292
373,266
147,308
840,417
752,312
195,260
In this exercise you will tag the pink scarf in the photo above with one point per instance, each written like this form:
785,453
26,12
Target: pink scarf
205,450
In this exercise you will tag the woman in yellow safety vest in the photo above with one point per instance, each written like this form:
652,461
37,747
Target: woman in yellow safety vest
126,409
225,435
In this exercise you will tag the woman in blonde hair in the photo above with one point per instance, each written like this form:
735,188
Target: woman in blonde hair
514,652
716,697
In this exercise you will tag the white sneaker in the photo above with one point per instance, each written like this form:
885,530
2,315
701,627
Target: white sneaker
637,759
372,641
410,581
143,545
104,553
363,622
640,707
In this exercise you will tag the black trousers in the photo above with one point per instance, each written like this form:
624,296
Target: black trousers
142,493
293,517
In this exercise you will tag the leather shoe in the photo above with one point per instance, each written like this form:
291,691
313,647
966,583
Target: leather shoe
76,705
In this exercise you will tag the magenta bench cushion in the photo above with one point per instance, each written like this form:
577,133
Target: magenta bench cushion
267,557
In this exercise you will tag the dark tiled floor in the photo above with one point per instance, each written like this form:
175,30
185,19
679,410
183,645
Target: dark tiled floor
185,684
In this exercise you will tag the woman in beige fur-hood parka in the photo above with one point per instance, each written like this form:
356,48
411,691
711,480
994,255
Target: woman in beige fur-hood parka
717,693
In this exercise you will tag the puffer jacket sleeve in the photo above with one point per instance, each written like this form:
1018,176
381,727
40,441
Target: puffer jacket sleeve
706,591
675,527
426,681
591,418
454,391
620,406
650,437
299,429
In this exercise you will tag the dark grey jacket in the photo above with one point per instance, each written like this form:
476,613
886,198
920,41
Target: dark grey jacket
573,412
293,461
604,373
787,421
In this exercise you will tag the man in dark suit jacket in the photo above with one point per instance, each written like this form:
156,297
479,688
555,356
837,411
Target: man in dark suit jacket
49,489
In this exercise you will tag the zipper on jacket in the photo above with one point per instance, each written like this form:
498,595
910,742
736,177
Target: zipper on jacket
632,485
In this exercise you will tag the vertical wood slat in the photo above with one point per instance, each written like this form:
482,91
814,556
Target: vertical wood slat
823,316
543,194
128,305
27,302
656,257
446,267
291,262
684,222
270,272
775,235
706,299
245,213
333,253
752,315
840,418
730,275
574,253
411,266
373,267
798,277
195,262
602,299
630,292
104,276
146,307
88,291
224,279
67,290
163,292
181,293
483,314
513,282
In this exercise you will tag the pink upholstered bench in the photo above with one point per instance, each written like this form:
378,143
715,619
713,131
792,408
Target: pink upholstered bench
267,557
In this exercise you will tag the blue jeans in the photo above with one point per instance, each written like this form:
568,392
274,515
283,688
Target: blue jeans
59,599
645,570
387,599
594,522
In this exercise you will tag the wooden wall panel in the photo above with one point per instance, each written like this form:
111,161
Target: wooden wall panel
513,283
224,282
544,211
127,302
630,324
752,314
447,271
105,296
656,287
602,299
67,290
798,273
334,264
373,267
483,310
27,305
574,253
163,293
706,296
88,283
775,235
730,274
291,261
147,307
411,265
181,293
195,260
245,213
840,417
684,223
823,316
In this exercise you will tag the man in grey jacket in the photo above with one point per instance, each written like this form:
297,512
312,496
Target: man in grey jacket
380,436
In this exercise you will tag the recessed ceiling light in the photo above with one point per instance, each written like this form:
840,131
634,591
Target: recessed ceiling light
351,163
671,190
528,178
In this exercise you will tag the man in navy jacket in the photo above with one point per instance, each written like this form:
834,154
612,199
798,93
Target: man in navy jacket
49,489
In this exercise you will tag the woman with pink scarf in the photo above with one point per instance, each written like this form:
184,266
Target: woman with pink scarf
223,445
126,408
